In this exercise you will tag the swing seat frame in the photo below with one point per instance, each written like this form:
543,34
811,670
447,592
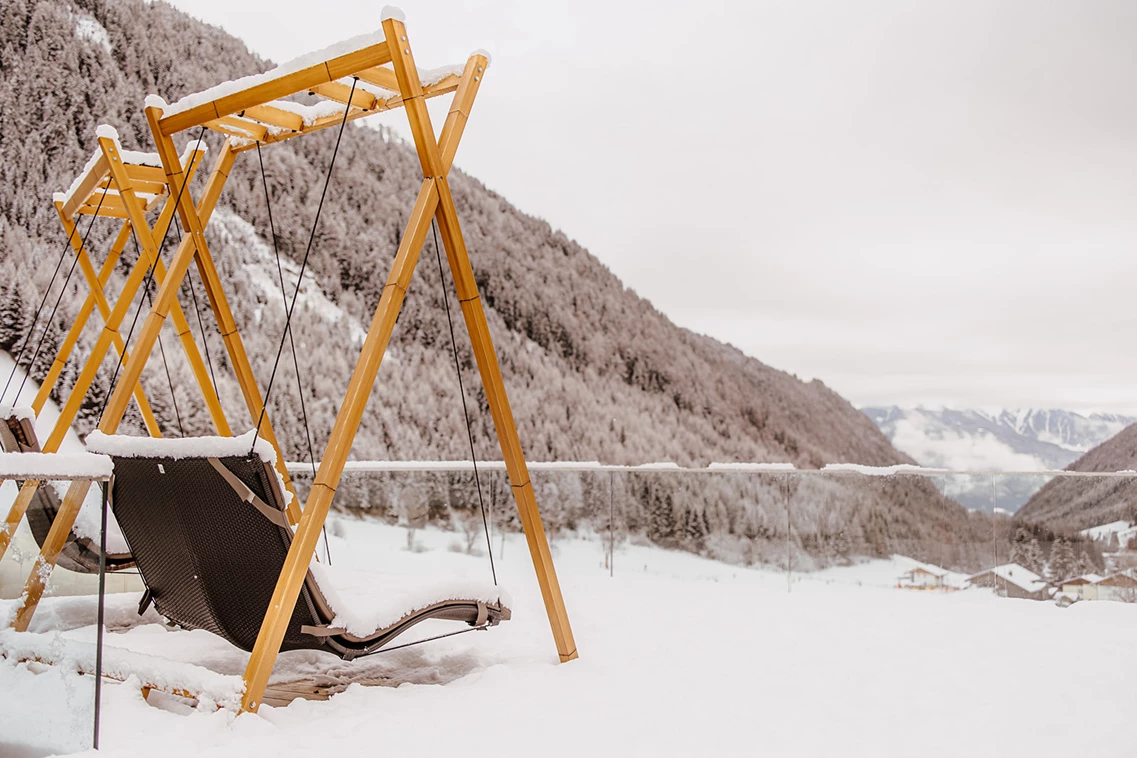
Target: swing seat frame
210,537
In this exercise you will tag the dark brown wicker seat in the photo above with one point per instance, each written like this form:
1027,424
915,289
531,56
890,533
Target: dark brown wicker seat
80,554
210,538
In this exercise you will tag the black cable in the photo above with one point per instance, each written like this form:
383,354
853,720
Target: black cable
291,341
462,393
303,266
200,323
39,309
58,300
146,284
162,350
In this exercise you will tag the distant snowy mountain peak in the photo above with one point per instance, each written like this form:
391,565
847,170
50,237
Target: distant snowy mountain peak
1024,439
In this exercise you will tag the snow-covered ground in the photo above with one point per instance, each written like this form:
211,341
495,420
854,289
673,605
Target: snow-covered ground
679,656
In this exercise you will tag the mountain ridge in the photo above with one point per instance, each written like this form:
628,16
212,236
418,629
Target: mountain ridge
969,439
1081,503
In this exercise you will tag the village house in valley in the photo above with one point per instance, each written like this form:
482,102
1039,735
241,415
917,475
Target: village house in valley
1012,580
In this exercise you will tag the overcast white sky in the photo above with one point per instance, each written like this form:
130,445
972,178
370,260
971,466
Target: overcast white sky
915,202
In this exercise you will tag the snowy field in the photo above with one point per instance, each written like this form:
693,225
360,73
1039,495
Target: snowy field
679,656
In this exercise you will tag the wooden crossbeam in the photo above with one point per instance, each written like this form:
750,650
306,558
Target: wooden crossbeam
381,76
443,87
341,93
140,185
87,185
239,127
275,88
268,114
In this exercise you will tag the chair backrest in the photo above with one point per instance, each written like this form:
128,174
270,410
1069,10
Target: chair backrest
18,434
209,556
80,554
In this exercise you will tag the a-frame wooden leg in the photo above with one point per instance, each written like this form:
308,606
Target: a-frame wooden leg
120,397
431,159
510,443
238,358
137,214
81,319
100,298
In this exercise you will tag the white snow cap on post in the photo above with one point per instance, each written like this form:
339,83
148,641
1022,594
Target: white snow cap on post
484,53
395,12
108,131
154,101
18,411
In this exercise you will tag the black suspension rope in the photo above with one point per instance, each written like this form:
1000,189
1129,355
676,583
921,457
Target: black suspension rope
162,350
462,393
58,300
291,341
303,266
42,302
200,323
146,284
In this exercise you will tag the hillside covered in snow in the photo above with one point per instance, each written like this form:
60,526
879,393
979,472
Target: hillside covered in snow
595,371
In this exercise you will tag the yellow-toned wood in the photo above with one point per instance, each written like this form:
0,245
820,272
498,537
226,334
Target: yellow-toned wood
151,174
460,107
447,85
494,386
93,281
340,93
80,323
335,454
49,552
380,76
274,89
241,128
149,248
140,185
15,515
90,181
268,114
108,212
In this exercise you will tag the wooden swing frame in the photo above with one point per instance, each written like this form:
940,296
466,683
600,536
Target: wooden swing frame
255,112
97,191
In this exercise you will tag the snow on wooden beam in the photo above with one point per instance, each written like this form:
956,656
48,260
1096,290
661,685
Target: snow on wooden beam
341,93
226,100
273,116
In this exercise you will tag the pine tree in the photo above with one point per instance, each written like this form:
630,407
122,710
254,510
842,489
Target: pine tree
13,320
1062,564
1032,557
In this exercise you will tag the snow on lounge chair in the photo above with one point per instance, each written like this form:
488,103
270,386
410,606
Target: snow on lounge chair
80,554
205,520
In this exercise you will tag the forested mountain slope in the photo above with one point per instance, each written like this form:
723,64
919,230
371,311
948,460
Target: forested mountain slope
1080,503
595,372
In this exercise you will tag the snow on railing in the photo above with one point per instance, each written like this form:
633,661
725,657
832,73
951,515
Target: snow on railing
832,469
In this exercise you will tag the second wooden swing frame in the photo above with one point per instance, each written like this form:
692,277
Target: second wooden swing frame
247,115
